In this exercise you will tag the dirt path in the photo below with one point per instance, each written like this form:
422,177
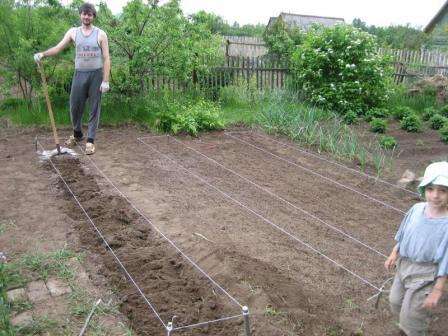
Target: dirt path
251,212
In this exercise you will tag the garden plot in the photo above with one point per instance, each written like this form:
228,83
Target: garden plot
302,251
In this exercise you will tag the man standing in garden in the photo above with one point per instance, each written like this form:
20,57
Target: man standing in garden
92,71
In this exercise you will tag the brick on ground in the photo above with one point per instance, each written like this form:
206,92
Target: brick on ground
22,319
16,294
57,287
37,291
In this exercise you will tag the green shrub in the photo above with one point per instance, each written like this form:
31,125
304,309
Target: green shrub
444,133
192,118
350,117
437,121
378,125
444,111
338,68
411,123
388,142
380,113
402,111
428,112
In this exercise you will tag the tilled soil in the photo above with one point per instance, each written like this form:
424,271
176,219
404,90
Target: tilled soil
299,240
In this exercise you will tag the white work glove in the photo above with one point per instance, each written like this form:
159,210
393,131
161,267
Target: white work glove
104,87
38,57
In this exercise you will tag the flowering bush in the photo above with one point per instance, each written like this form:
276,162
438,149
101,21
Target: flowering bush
338,68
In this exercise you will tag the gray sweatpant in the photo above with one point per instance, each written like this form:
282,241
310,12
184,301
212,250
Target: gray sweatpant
412,284
86,84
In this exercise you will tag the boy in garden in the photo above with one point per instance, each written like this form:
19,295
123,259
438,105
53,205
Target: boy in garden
421,254
92,71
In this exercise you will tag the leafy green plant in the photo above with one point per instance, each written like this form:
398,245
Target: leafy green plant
428,112
437,121
411,123
380,113
378,125
191,119
338,68
350,117
443,132
388,142
401,111
444,111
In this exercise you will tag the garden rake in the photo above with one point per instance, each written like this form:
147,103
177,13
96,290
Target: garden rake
58,150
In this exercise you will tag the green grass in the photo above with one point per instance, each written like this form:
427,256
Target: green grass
276,111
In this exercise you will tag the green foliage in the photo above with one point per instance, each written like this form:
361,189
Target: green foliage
151,40
428,112
443,132
217,25
401,112
191,119
411,123
338,68
380,113
444,111
281,40
6,327
378,125
281,113
350,117
437,121
27,27
240,94
388,142
395,37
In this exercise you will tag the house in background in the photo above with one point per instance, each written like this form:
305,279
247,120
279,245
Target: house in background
438,28
304,22
253,47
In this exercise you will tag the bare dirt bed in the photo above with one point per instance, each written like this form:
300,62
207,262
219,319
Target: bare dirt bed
297,239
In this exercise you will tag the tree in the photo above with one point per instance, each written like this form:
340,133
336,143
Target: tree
338,68
25,28
396,37
153,40
281,40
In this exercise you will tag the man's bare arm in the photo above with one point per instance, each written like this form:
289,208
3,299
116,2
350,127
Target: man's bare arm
104,43
60,46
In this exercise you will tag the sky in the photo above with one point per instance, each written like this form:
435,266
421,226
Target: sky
373,12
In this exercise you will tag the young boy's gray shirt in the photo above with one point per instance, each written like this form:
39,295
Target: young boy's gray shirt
423,239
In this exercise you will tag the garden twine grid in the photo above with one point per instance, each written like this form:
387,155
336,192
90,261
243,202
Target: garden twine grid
276,226
375,178
169,325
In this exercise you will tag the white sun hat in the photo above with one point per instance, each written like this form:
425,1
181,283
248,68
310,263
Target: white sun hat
436,173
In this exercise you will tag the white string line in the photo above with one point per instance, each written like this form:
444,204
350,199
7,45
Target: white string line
376,178
165,237
284,200
365,281
191,326
107,244
317,174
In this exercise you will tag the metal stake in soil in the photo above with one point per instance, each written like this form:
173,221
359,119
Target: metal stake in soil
169,328
246,320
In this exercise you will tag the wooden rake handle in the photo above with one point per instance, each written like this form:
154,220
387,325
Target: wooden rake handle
50,110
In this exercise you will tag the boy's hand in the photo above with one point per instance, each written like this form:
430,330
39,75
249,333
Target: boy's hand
432,299
389,264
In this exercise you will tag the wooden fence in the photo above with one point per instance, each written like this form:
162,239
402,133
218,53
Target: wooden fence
267,73
410,65
260,72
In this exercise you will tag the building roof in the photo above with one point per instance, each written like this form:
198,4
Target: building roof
442,11
305,21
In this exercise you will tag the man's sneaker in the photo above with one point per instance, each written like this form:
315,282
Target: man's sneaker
90,148
72,141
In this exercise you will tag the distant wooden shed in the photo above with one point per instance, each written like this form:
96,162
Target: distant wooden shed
438,28
304,22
